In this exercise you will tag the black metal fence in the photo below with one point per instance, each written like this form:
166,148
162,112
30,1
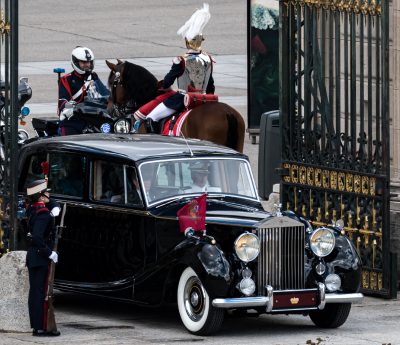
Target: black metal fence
335,123
8,122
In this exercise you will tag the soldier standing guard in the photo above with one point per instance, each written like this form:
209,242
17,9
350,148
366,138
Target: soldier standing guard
41,240
193,72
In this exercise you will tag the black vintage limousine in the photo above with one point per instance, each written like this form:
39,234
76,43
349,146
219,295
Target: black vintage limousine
122,237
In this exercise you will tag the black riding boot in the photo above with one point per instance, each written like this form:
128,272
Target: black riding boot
151,126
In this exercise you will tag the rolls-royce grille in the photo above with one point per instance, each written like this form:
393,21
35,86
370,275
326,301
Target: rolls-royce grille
281,258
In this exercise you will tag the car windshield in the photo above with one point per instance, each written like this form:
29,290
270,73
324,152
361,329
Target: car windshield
167,179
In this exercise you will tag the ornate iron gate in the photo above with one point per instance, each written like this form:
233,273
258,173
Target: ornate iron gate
8,122
335,123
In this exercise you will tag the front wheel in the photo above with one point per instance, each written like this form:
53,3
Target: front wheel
332,316
195,308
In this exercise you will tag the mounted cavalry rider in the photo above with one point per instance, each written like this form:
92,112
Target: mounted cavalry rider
73,88
193,72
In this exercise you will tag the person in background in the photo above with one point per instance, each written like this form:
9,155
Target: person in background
73,88
41,240
192,70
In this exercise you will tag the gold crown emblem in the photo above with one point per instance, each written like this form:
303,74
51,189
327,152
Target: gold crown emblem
294,300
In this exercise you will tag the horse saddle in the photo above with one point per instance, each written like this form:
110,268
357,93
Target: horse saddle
172,125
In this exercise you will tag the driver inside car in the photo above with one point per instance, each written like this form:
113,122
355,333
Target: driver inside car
199,172
73,88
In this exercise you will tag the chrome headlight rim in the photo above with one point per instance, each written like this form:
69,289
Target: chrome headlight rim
122,126
241,249
322,242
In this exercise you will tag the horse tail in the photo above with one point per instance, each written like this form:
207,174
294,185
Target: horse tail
232,139
236,129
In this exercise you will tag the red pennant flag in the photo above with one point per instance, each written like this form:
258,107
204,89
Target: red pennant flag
193,214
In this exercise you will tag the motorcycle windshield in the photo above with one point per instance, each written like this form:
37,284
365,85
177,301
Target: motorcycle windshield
97,90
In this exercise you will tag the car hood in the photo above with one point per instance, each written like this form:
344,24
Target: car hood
219,211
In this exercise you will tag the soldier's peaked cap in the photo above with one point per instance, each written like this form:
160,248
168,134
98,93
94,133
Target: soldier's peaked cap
199,166
38,186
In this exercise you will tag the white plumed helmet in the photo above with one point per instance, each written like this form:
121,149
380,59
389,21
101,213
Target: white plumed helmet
192,30
82,54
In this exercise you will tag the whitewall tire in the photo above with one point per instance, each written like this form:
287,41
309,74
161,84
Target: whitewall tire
194,305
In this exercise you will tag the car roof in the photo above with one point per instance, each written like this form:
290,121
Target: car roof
135,146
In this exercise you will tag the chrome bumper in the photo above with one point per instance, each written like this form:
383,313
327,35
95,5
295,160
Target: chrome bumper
268,301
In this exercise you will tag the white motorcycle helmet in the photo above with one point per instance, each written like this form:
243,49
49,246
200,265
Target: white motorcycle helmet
82,54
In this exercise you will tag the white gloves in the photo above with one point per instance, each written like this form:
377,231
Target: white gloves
53,256
66,113
55,211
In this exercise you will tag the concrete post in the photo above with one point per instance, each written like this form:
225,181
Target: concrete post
14,288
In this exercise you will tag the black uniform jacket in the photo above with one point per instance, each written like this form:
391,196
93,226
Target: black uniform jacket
42,237
69,85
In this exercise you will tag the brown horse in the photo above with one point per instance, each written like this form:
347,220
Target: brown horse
132,86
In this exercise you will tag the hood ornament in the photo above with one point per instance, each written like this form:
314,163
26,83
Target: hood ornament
278,212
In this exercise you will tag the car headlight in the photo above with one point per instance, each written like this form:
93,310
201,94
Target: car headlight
322,242
247,247
122,126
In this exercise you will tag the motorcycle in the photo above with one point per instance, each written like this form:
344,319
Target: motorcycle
24,95
93,112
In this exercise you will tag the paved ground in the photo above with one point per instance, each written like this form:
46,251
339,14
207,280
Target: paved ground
145,33
90,321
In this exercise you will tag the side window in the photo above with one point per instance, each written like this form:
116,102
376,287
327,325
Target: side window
66,174
64,171
115,183
108,181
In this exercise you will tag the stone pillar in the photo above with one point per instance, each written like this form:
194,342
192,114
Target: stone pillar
14,288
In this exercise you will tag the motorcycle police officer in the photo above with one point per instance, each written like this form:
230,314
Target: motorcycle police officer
73,88
41,240
193,72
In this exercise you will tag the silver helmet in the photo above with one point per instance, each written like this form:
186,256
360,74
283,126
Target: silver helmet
82,54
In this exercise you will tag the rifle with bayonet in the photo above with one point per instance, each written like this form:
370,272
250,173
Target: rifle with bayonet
50,321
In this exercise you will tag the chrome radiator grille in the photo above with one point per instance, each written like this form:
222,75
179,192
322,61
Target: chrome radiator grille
281,258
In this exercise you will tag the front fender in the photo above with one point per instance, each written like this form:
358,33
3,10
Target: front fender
209,263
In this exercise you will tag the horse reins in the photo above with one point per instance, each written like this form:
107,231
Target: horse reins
124,109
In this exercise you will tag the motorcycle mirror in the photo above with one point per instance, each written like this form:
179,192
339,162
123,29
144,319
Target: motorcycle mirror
23,80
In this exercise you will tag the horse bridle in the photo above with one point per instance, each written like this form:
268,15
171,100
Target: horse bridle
120,109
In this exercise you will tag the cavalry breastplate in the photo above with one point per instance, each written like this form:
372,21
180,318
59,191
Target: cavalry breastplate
197,72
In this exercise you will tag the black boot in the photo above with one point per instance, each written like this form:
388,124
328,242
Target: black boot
151,126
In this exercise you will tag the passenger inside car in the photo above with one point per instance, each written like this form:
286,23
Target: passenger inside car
113,183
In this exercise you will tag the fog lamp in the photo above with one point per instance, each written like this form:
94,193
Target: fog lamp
246,273
122,126
320,268
333,282
247,286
